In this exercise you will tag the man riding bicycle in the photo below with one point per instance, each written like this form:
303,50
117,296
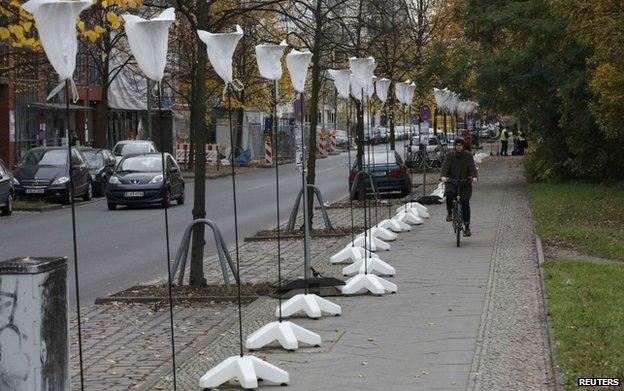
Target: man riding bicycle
459,165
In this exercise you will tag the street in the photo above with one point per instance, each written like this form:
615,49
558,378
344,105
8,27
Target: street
122,248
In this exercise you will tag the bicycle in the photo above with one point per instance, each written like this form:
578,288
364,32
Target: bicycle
456,211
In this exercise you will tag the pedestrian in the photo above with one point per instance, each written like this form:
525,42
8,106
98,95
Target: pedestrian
522,142
504,139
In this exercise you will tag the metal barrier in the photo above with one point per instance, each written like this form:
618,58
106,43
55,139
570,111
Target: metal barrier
293,214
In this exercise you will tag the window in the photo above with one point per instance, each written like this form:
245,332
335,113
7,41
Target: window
76,158
2,170
171,162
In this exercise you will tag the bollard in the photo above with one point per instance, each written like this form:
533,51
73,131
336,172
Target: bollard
34,342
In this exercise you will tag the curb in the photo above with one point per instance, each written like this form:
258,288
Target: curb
58,206
556,373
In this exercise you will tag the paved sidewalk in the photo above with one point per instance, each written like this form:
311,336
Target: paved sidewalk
464,318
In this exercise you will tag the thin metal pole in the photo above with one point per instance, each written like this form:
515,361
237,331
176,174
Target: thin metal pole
162,154
73,215
370,112
348,107
150,134
385,111
306,252
367,237
277,199
238,286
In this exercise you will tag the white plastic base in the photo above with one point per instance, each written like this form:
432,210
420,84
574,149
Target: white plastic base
311,304
368,282
382,233
420,210
409,218
373,265
351,254
394,225
286,333
246,369
371,243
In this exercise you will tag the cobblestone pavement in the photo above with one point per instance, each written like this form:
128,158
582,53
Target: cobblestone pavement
126,345
464,318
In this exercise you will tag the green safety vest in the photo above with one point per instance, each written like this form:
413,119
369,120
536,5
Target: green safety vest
504,135
521,136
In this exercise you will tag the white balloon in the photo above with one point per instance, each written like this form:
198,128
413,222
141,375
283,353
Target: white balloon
149,41
409,93
297,63
342,81
269,59
399,91
382,86
221,47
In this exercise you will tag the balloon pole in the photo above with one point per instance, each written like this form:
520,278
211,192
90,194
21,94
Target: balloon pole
73,215
167,197
277,197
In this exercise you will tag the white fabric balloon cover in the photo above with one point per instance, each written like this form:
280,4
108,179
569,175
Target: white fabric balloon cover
220,47
342,81
356,88
399,91
56,22
297,63
269,60
382,86
362,69
149,41
409,93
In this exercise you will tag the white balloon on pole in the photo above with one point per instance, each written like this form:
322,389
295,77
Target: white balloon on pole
56,23
399,91
409,93
342,81
269,59
363,70
149,41
221,47
382,86
297,63
356,88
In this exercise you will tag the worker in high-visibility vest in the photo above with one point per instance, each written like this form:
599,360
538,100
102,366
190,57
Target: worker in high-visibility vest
522,142
504,139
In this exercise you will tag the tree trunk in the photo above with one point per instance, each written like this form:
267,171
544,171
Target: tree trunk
198,113
240,114
390,107
313,113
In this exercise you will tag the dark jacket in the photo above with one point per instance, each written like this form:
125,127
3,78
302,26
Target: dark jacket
459,166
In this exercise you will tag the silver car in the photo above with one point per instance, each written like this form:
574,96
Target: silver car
133,147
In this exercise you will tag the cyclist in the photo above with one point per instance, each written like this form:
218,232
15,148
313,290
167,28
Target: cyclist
459,165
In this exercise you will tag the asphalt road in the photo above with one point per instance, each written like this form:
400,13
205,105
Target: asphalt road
118,249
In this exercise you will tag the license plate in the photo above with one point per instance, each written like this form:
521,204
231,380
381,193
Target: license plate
379,173
35,191
133,194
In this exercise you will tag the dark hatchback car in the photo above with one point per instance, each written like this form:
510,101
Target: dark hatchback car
389,172
44,173
138,180
7,191
101,164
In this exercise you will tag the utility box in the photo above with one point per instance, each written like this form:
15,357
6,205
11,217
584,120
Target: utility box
34,328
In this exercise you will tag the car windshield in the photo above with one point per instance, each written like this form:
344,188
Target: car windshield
152,163
54,157
341,133
94,158
131,148
380,158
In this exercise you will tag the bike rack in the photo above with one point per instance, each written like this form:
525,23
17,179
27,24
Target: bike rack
293,214
222,251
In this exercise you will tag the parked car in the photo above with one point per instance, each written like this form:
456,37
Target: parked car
7,191
342,138
133,147
43,172
101,164
370,136
138,180
389,171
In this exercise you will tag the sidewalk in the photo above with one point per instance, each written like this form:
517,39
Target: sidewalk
464,318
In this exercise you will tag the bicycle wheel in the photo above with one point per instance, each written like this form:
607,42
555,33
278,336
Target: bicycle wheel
458,223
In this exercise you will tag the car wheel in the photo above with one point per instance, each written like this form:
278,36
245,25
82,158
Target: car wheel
89,193
180,199
7,210
67,199
111,205
167,200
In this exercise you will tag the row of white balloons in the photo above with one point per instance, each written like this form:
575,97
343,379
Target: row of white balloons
450,101
148,40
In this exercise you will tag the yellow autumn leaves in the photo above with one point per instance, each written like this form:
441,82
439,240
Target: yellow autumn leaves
20,33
